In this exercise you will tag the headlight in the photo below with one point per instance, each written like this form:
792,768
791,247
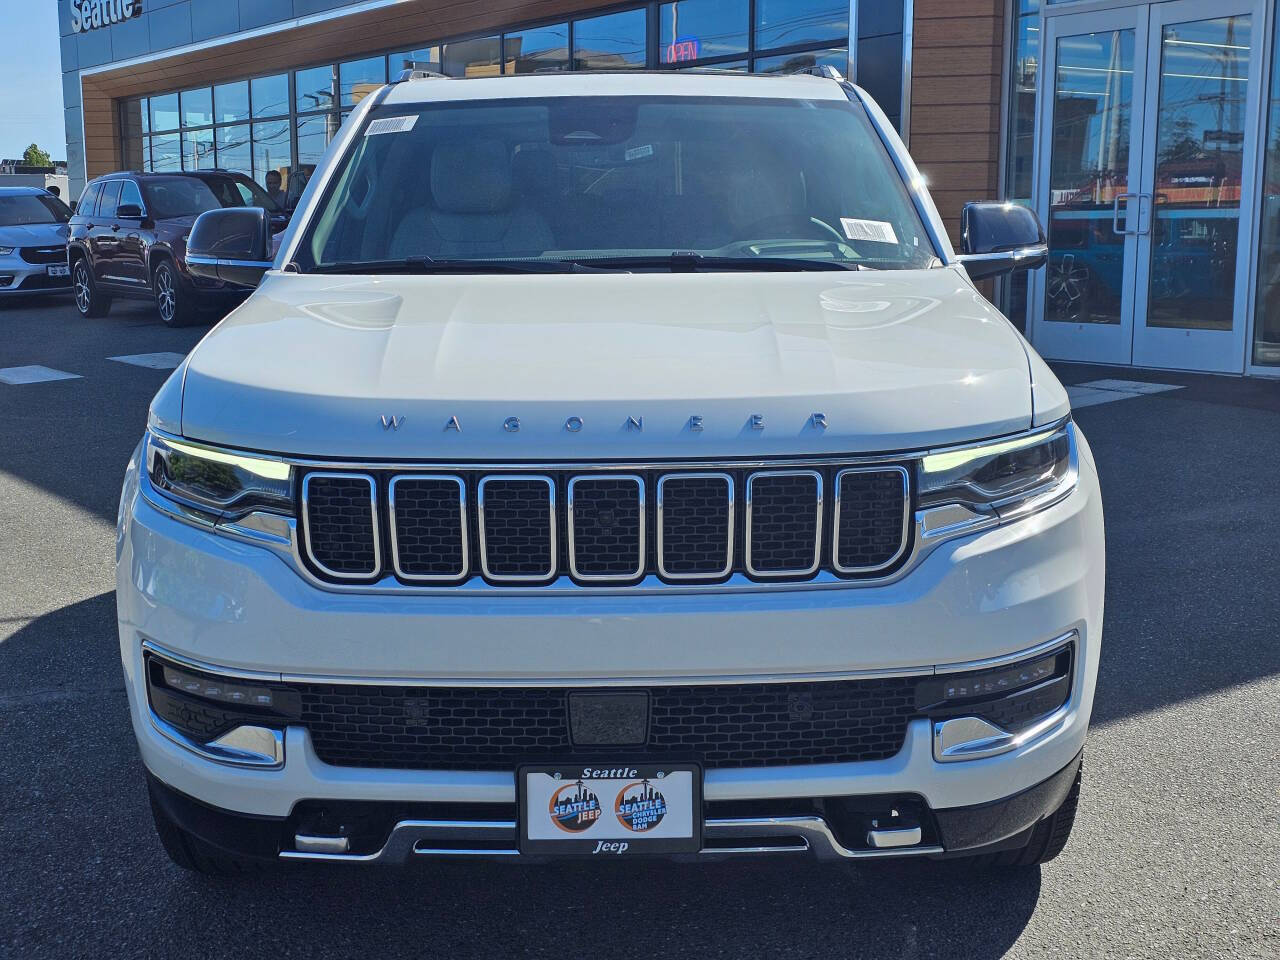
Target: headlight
226,485
5,251
1005,477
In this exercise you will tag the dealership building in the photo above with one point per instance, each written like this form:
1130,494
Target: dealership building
1146,135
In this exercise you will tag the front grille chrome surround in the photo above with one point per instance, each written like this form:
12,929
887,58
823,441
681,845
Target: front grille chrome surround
710,574
465,565
641,555
749,548
904,540
486,567
348,576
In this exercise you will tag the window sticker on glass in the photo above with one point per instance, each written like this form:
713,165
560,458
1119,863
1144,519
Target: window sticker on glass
639,153
392,125
876,231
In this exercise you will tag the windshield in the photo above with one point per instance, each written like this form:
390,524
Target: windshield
169,197
628,179
25,209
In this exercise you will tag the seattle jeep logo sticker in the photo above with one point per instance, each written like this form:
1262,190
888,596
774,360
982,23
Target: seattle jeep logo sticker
640,807
574,808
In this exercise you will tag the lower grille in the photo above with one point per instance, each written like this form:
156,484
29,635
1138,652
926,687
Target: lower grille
733,725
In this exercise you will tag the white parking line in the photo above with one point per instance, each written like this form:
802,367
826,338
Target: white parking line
1105,391
155,361
1132,386
34,373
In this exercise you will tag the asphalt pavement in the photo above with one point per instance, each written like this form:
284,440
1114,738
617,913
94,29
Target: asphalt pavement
1176,852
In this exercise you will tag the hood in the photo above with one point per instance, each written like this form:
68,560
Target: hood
34,235
608,366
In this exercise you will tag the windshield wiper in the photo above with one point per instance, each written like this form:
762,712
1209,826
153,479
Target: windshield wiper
698,262
425,264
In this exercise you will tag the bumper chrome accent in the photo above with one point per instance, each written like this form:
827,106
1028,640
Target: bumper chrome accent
424,838
245,746
972,738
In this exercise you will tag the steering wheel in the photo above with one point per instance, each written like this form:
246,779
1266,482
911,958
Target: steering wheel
790,220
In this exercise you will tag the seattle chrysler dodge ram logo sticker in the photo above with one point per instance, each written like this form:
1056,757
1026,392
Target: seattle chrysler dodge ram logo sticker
640,807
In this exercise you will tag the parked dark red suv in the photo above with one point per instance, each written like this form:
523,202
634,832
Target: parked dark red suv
128,239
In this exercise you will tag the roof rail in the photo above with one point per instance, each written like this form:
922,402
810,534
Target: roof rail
824,70
419,75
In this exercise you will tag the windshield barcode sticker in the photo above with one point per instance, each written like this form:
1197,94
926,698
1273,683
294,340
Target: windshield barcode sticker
877,231
392,125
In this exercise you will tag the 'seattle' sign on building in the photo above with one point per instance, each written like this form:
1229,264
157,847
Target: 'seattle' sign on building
89,15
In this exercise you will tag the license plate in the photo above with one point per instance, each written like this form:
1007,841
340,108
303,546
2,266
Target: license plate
59,270
610,810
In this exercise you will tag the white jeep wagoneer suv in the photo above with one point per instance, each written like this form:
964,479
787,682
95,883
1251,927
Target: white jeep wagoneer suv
612,465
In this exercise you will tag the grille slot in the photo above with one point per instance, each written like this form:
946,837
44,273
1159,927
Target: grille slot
43,254
429,527
733,725
872,511
784,523
695,526
340,522
517,528
606,527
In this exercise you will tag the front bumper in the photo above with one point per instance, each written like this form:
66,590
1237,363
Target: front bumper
17,276
241,608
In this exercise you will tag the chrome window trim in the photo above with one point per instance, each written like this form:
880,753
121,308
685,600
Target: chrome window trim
730,496
484,551
373,507
573,561
928,670
817,540
462,520
905,539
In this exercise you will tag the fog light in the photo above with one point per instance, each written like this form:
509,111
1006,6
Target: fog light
211,688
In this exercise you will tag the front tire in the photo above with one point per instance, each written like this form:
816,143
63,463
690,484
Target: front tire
175,303
192,853
90,301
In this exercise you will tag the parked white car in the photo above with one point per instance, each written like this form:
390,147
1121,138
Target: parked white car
612,465
33,242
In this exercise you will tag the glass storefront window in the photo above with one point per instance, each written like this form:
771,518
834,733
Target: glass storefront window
197,107
786,23
234,149
314,89
1024,68
164,112
314,136
231,102
539,50
359,78
197,150
837,57
697,29
270,96
612,42
272,153
1266,333
145,109
427,58
166,153
481,57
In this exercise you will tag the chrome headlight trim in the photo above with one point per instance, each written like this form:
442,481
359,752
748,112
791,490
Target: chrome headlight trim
220,485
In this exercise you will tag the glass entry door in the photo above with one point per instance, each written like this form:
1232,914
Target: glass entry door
1145,164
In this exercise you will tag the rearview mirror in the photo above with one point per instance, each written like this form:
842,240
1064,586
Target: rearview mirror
232,245
1001,238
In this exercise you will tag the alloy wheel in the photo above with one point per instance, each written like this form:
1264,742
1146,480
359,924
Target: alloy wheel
84,295
165,299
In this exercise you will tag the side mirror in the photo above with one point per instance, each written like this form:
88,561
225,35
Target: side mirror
1001,238
232,245
129,211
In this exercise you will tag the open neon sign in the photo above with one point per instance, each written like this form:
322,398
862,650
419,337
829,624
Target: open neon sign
682,49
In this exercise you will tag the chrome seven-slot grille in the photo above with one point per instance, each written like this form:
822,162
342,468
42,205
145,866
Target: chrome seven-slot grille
599,528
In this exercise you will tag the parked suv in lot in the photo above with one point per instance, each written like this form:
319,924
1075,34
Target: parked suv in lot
33,241
128,239
612,465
